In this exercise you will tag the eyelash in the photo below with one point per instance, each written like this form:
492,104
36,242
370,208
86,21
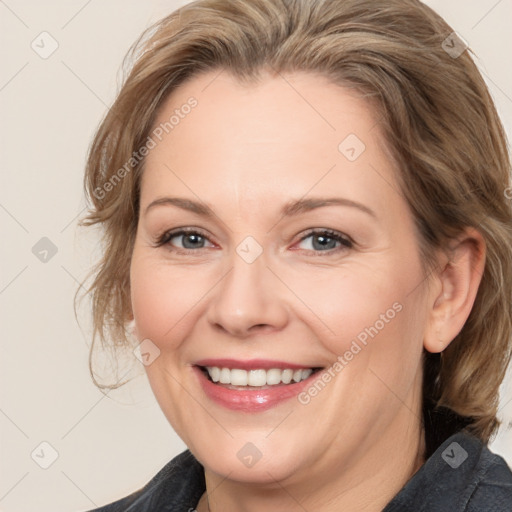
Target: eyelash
345,241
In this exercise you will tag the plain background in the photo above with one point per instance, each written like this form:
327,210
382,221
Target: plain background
107,446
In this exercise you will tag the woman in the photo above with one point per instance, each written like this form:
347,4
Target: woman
308,232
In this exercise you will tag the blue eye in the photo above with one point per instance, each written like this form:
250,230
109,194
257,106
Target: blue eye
327,241
321,241
191,239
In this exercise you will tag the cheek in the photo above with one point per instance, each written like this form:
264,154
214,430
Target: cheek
375,330
372,325
165,299
363,303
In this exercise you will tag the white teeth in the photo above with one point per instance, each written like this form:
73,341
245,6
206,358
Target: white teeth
238,378
306,373
214,373
225,376
274,377
257,378
287,376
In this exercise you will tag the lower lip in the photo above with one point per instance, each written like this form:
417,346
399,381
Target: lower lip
252,399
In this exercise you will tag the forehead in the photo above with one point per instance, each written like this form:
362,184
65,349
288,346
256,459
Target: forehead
286,134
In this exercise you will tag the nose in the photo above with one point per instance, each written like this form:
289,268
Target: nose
248,300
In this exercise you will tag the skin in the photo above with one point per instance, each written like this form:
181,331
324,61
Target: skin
246,150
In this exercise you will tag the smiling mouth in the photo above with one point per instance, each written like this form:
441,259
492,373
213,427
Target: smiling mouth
237,378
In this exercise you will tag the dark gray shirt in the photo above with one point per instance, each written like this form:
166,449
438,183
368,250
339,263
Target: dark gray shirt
462,475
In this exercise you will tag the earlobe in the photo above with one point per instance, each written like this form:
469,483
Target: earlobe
458,279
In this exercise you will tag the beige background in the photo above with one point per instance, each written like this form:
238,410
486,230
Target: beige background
107,446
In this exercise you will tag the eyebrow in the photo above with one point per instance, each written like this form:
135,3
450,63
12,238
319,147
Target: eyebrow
294,207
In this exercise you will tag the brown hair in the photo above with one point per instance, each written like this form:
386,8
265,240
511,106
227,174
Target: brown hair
436,113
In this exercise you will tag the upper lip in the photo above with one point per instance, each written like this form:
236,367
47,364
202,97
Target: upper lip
253,364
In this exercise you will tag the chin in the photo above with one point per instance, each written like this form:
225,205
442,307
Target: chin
256,460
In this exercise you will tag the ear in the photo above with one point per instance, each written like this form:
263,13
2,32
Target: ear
454,289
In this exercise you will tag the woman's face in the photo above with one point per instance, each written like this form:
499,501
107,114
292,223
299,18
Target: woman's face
301,254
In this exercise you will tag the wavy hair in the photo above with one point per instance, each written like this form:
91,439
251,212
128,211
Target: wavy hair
436,113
